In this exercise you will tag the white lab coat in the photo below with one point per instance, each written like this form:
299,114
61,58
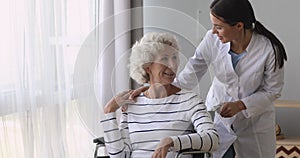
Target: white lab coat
253,81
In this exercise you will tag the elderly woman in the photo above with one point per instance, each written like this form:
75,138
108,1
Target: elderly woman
163,119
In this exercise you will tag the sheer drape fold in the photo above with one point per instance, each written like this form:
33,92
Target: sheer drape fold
115,42
38,117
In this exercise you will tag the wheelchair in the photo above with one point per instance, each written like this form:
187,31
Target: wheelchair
100,143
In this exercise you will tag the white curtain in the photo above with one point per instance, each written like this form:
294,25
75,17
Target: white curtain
101,69
115,42
60,62
39,116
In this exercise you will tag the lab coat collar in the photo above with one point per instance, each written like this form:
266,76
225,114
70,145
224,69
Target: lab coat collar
224,49
251,43
226,46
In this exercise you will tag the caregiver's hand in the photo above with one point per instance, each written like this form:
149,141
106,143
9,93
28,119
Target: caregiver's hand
134,94
117,101
138,91
229,109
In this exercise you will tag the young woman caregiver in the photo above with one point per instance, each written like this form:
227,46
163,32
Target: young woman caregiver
247,61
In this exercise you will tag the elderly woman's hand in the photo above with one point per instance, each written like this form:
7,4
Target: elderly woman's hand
119,100
162,148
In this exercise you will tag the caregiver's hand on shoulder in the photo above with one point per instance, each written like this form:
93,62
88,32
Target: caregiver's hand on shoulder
229,109
134,94
138,91
162,148
117,101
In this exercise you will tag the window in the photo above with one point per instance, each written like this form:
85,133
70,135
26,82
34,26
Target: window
39,43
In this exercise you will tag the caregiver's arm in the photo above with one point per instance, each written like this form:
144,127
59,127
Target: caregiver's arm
197,65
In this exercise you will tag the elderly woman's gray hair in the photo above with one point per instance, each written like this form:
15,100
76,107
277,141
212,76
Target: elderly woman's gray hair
143,53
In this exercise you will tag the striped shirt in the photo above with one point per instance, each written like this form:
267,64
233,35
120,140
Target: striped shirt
181,116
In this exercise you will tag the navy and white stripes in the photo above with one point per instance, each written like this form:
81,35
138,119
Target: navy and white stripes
148,121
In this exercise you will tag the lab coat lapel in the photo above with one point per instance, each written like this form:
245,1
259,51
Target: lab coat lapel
231,84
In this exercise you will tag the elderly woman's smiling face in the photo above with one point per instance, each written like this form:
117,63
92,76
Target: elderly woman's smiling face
164,67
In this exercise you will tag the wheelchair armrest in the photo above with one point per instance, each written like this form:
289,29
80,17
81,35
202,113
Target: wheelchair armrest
99,140
195,153
100,143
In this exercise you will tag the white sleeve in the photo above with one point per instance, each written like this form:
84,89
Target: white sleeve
116,139
206,138
270,90
196,66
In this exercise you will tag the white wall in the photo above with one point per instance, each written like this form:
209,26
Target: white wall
279,16
181,18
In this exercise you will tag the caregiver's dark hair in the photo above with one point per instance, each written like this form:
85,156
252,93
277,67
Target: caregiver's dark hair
234,11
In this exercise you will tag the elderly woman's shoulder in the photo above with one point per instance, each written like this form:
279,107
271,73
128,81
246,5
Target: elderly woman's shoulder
190,95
